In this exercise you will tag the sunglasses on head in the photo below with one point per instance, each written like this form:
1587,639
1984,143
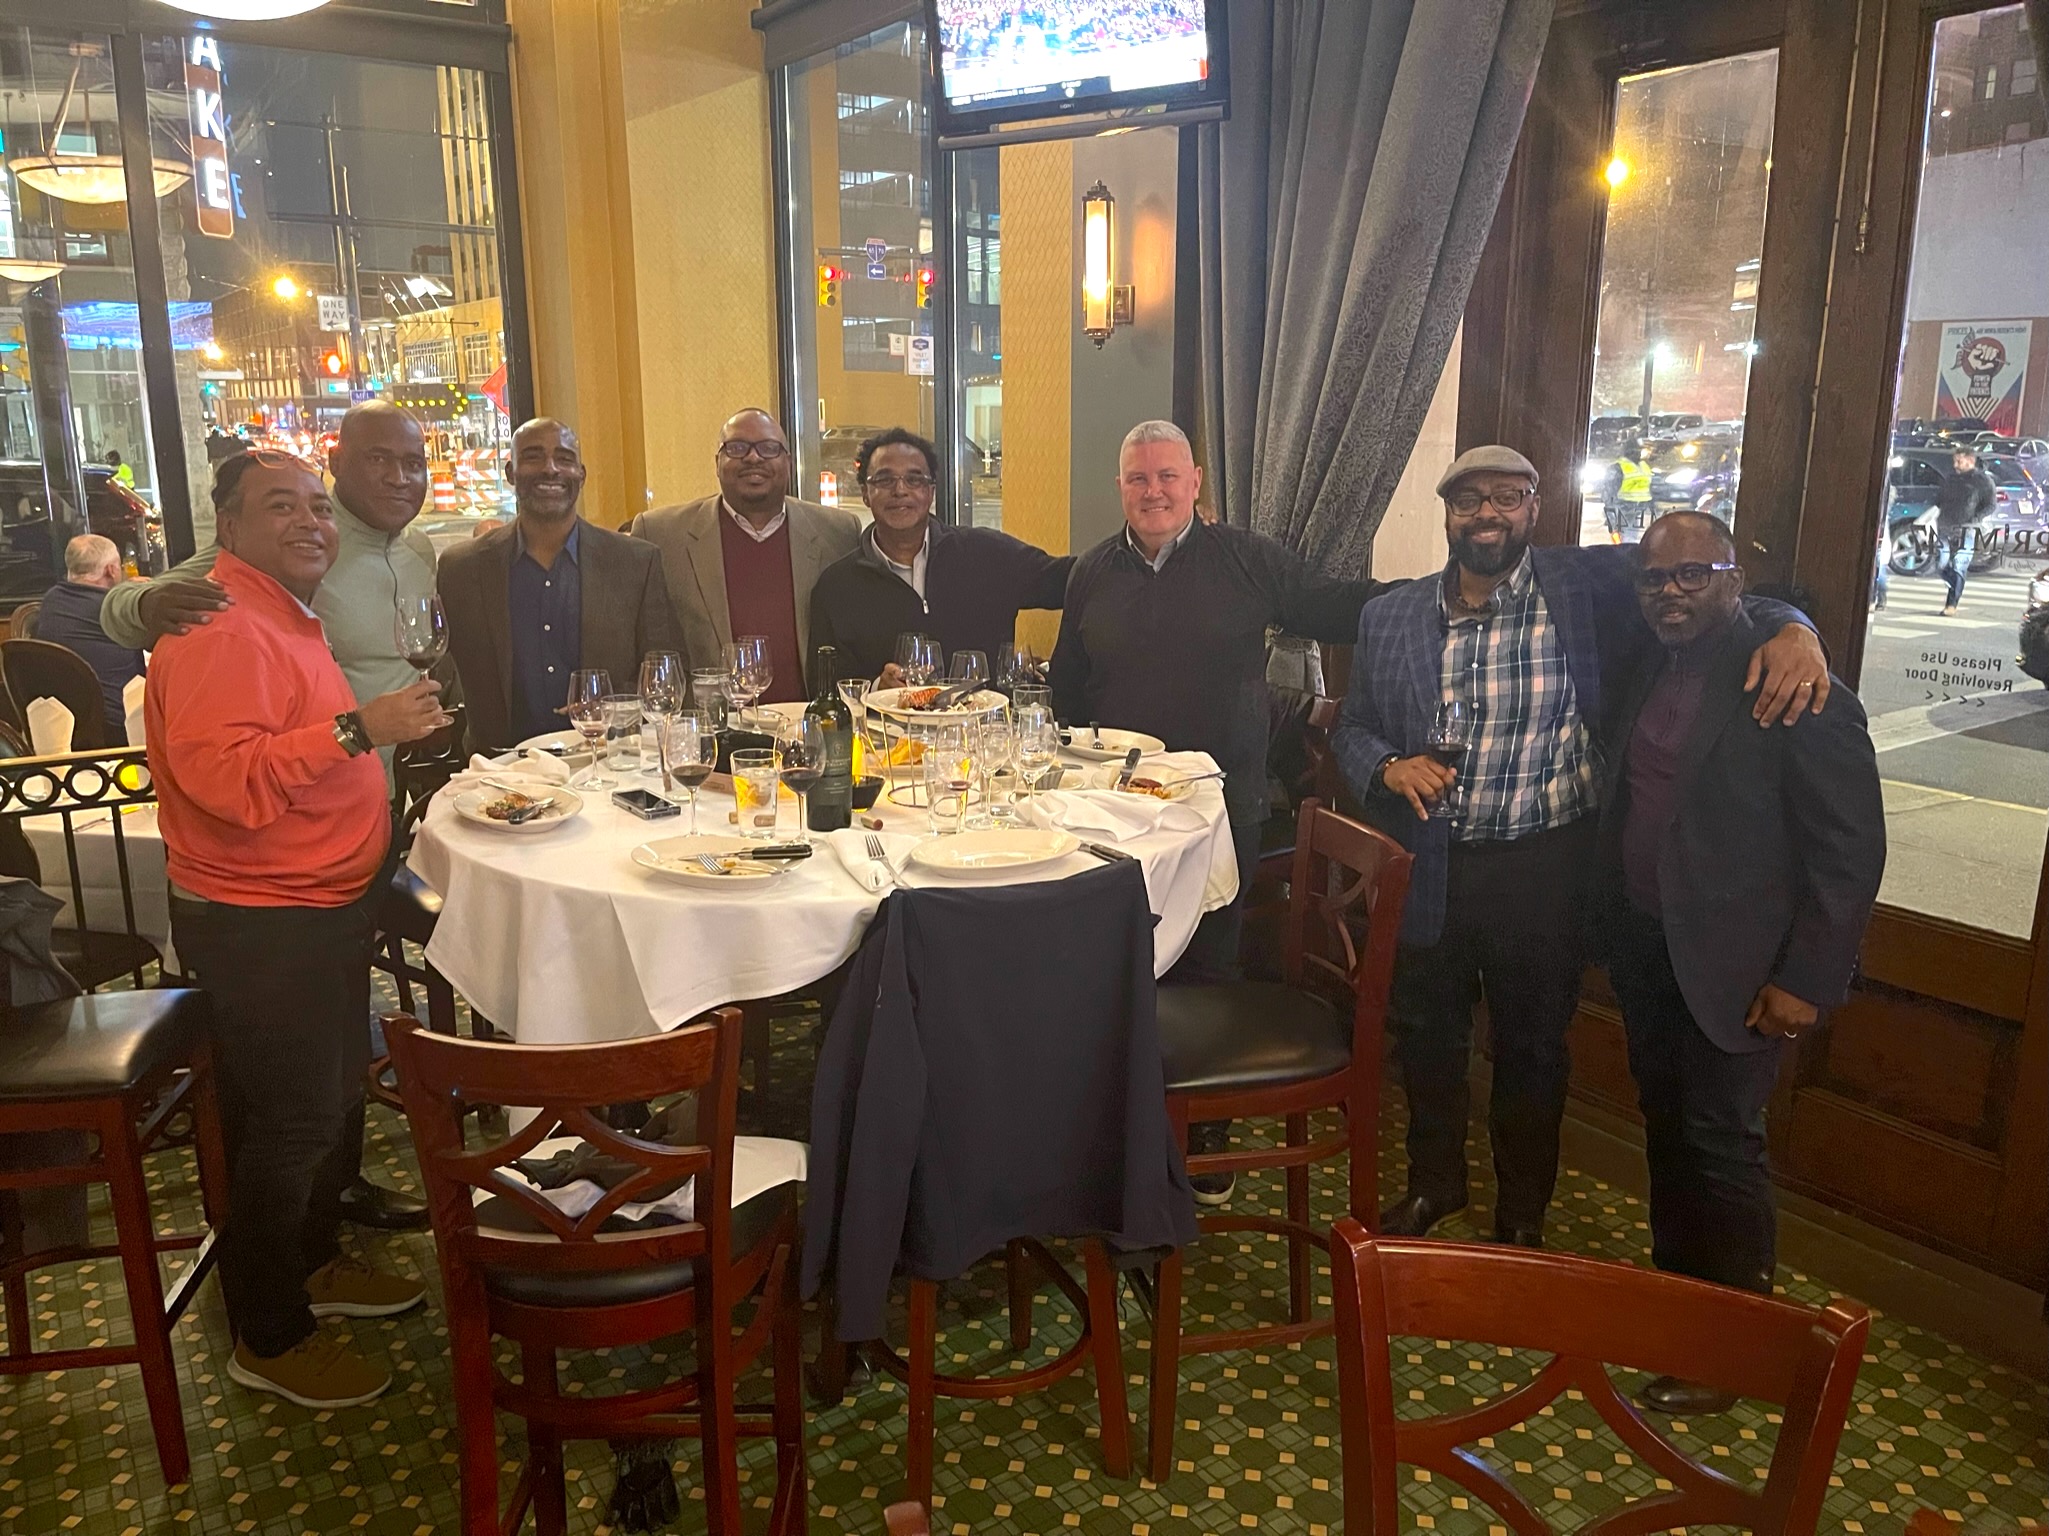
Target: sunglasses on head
228,474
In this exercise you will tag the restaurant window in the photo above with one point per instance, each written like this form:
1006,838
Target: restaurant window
337,242
1960,723
860,237
1680,266
978,333
76,450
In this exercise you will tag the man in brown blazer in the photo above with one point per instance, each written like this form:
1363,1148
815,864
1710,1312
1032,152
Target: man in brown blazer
532,603
743,562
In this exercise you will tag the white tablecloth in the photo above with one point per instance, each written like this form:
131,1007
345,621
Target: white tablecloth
100,871
558,937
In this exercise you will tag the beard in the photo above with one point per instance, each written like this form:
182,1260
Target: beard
1490,562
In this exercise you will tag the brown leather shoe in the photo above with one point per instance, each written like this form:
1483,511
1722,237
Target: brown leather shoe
346,1287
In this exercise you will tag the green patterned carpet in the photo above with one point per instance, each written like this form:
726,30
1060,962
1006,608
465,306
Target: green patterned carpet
1931,1427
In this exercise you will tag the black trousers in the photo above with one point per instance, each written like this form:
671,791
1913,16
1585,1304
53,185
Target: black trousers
1712,1214
1512,933
291,990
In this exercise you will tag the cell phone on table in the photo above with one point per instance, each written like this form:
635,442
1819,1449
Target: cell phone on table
645,804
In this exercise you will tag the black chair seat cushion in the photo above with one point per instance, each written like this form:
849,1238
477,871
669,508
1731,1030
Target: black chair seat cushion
94,958
753,1221
100,1044
1248,1034
409,908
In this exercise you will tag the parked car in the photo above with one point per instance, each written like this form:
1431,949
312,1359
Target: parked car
2018,524
2034,645
30,563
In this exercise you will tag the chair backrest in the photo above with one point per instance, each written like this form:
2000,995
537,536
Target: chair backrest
75,788
42,669
420,768
1325,781
21,624
1587,1314
567,1085
1345,898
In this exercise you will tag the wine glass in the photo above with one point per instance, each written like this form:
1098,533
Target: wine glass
802,764
749,671
422,634
949,769
1038,744
690,749
662,685
968,667
587,691
997,757
917,658
1451,733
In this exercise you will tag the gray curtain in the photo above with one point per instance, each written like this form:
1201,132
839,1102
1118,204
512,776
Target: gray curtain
1342,210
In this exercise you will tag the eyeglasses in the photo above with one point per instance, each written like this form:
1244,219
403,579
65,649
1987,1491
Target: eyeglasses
889,482
768,450
1693,576
1505,498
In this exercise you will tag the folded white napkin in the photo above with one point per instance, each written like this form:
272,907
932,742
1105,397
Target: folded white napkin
531,765
850,847
131,704
759,1163
1112,815
49,726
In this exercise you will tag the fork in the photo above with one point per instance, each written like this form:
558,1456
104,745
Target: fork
711,864
880,854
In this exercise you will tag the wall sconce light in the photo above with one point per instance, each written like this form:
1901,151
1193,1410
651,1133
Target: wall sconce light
1105,304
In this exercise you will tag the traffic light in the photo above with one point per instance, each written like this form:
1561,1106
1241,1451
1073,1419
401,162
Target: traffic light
333,364
924,287
829,279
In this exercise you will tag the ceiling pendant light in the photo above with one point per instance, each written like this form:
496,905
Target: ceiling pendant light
29,269
92,178
247,10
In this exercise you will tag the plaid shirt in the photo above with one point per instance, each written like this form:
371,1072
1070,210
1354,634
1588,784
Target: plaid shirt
1531,763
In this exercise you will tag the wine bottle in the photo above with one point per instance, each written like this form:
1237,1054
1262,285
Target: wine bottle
832,797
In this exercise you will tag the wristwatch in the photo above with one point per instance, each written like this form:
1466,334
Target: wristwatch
348,730
1378,783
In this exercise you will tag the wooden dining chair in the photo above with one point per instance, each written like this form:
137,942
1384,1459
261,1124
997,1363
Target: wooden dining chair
515,1267
1310,1042
1266,904
1588,1315
42,669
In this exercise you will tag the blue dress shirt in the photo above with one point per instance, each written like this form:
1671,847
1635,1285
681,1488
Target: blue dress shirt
545,606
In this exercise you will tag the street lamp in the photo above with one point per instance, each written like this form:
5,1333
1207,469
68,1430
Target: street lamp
285,288
1617,172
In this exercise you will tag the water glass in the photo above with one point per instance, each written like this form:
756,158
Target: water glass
754,792
708,696
1030,696
622,731
949,774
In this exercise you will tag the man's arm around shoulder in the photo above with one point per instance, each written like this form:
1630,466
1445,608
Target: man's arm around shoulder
121,612
1835,815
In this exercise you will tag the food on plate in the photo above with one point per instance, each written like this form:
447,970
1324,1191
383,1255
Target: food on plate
512,803
1153,787
919,698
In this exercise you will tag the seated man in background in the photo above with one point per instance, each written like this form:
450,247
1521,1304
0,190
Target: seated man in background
531,604
743,562
276,830
913,573
1739,868
70,617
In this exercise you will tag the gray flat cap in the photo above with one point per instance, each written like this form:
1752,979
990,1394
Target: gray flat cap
1493,456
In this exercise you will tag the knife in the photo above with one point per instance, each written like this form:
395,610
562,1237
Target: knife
1108,854
1130,767
778,851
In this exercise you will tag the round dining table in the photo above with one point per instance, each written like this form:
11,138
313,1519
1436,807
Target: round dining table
558,937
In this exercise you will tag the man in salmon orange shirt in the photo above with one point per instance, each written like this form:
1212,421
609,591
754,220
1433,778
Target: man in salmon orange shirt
271,798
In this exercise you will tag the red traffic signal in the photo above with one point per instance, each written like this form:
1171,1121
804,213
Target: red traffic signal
333,364
924,287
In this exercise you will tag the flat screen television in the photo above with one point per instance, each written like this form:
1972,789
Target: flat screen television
1022,69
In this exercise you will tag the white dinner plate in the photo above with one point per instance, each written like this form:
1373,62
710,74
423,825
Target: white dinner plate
1082,743
1177,784
675,858
972,855
564,805
886,702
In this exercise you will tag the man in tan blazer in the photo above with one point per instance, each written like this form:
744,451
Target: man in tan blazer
743,562
532,603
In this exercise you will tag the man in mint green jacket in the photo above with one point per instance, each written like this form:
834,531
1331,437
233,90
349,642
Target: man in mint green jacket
379,468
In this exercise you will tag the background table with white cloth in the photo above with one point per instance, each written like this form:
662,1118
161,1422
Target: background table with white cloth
558,937
99,870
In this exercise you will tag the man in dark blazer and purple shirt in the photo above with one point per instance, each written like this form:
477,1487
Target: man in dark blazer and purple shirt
1738,868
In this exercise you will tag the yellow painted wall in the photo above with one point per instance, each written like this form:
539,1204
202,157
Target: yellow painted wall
1038,327
695,99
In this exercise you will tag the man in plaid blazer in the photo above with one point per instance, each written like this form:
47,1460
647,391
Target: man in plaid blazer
1530,645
